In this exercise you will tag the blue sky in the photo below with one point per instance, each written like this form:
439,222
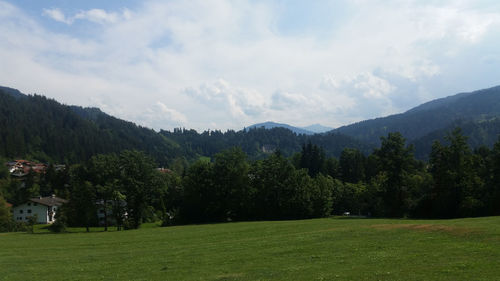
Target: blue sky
224,64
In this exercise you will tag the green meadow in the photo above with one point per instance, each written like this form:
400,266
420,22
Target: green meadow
318,249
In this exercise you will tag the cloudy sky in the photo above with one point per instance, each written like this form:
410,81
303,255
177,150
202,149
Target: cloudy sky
226,64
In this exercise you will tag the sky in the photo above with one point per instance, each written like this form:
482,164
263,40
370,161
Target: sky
227,64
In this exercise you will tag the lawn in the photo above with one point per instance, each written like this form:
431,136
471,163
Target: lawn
318,249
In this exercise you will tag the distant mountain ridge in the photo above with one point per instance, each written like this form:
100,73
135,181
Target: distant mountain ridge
41,128
271,125
432,117
12,92
317,128
308,130
36,127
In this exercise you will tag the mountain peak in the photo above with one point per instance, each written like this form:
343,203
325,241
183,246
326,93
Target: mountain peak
308,130
270,125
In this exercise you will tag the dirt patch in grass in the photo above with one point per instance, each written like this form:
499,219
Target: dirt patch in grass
459,231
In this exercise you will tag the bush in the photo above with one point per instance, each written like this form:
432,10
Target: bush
58,226
30,227
61,221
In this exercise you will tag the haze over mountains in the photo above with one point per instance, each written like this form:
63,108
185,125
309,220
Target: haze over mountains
41,128
308,130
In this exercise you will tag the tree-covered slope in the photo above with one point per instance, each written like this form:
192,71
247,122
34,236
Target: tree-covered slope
43,129
33,126
12,92
271,125
479,133
37,127
307,130
431,117
259,142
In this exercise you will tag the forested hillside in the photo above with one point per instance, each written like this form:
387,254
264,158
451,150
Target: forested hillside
480,133
40,128
435,118
258,143
307,130
271,125
36,127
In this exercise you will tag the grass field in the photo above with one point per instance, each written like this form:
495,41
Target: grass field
319,249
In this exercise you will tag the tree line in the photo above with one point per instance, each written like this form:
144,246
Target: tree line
389,182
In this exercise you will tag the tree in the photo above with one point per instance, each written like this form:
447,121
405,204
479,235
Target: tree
61,220
350,197
454,178
322,195
32,220
281,191
4,172
6,221
136,181
231,184
199,197
351,165
81,209
313,159
494,180
103,172
397,162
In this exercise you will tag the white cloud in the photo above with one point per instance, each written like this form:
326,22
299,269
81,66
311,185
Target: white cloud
285,100
93,15
372,86
172,113
220,95
226,63
98,16
57,15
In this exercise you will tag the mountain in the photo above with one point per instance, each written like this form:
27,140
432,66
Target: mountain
317,128
434,118
270,125
38,128
12,92
308,130
479,133
33,126
258,142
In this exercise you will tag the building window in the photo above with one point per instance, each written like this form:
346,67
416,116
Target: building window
35,204
29,211
20,211
29,204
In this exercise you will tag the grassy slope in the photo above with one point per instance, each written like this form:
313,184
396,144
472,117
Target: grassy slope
320,249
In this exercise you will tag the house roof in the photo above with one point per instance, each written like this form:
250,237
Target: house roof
49,201
164,170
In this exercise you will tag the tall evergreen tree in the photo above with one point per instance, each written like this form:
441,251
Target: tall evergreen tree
396,161
136,181
352,165
454,178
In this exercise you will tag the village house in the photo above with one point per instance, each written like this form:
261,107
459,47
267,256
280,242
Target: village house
21,168
44,208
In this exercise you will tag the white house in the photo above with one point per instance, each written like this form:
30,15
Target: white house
44,207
